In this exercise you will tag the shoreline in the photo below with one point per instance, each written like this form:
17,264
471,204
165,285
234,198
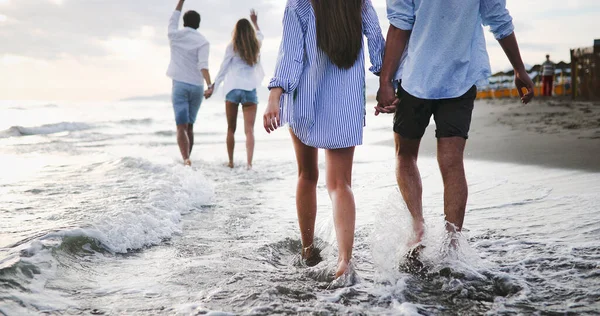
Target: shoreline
553,133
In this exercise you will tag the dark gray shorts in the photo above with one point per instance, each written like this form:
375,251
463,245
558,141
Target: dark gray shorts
452,116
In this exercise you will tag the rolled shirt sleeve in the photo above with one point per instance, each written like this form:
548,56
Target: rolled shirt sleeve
203,54
495,15
401,13
372,30
290,61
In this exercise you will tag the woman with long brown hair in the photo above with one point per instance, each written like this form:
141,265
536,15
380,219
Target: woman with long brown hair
242,73
319,90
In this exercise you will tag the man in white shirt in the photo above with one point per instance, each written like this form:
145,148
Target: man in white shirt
188,69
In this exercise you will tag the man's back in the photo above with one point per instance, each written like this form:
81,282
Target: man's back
446,54
189,53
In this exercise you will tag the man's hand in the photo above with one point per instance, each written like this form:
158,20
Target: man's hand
209,92
522,81
386,99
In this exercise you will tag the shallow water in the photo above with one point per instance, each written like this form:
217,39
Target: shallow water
99,217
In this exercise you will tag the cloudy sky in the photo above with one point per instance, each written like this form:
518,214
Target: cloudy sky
95,50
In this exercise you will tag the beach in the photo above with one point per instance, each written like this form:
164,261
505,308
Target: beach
100,217
557,133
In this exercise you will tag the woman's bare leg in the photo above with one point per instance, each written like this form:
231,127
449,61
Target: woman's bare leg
339,185
306,191
231,110
249,111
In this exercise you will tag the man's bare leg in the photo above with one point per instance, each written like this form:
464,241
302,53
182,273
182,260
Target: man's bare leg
190,133
409,182
450,159
184,143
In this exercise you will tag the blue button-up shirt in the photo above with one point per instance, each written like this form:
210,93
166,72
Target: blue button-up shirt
446,53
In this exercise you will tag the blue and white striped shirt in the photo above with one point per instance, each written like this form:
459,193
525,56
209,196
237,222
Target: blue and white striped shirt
446,53
323,104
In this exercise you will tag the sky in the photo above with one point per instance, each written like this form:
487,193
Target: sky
103,50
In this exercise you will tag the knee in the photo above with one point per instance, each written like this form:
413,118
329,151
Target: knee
450,163
231,128
308,176
182,127
406,159
249,131
335,184
406,154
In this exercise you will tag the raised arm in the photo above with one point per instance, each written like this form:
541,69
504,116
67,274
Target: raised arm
254,19
179,5
372,30
402,18
174,21
495,15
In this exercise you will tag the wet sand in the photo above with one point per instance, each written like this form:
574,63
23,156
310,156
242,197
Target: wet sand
557,133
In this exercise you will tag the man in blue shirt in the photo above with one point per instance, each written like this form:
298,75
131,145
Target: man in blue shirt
438,70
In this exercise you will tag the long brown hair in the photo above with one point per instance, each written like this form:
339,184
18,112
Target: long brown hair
339,30
245,42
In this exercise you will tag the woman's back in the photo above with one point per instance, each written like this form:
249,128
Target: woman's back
241,68
328,108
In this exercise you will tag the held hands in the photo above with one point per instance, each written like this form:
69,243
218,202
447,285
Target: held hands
522,81
209,92
386,99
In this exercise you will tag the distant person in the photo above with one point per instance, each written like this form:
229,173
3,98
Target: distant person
321,75
438,76
548,69
188,69
242,72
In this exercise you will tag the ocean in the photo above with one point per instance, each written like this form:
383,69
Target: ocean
98,216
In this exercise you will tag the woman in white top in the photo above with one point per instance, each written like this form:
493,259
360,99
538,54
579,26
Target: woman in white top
242,73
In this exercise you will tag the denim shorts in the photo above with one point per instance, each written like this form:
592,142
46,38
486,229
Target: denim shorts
242,96
186,101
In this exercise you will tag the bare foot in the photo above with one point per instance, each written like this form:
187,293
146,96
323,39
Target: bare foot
311,256
419,230
249,166
187,162
413,263
342,268
230,165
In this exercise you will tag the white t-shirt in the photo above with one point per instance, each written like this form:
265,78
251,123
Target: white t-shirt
237,74
189,53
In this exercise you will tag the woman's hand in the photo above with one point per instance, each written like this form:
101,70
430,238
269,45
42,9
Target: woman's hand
271,119
254,18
